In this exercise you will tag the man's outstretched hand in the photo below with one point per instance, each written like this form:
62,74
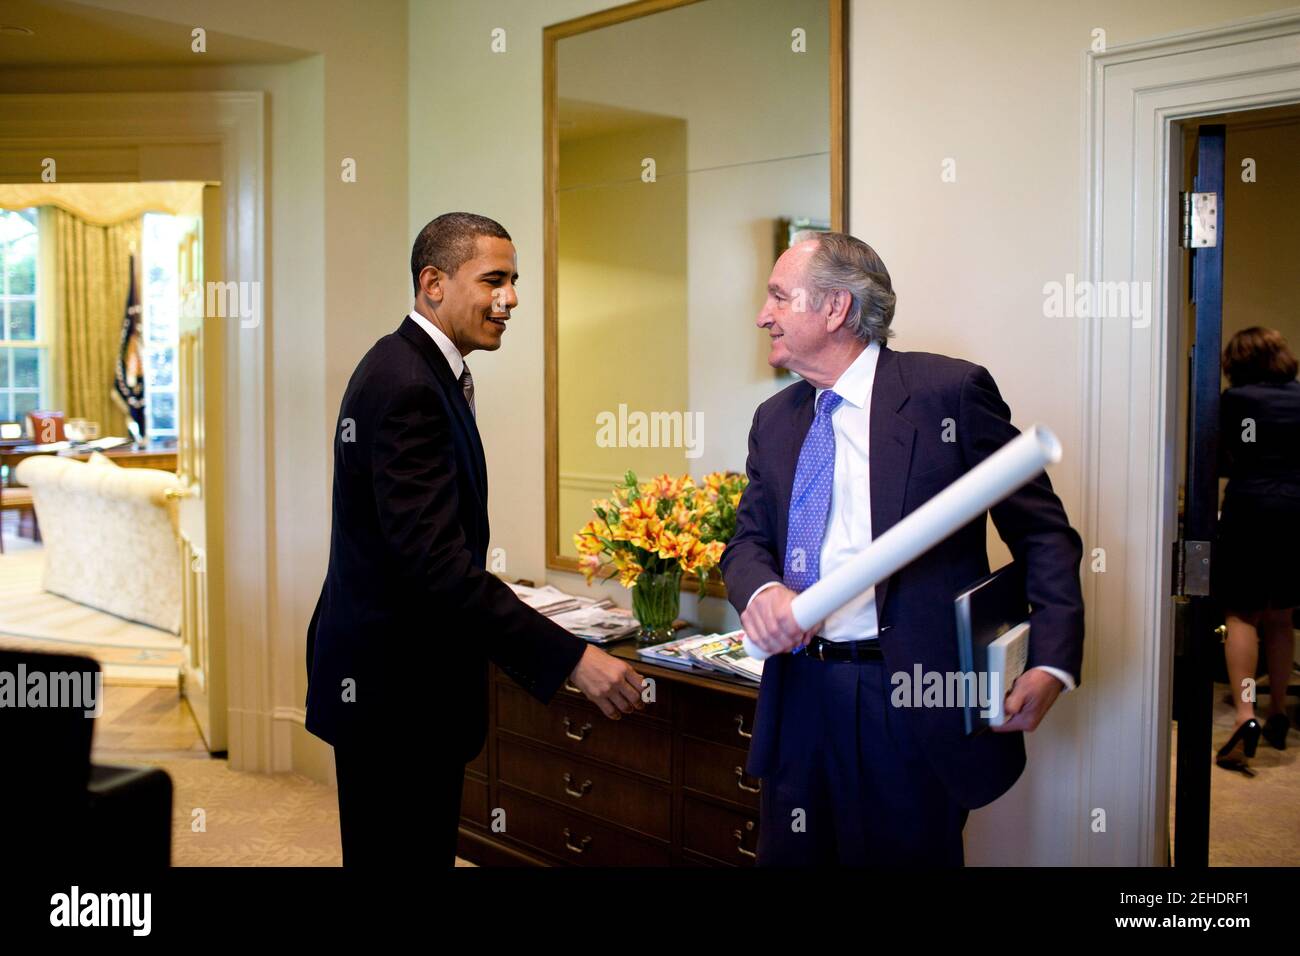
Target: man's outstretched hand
609,683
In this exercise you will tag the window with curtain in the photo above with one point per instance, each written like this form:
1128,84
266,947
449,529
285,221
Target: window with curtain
24,348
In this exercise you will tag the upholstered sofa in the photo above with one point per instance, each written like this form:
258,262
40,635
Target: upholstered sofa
110,536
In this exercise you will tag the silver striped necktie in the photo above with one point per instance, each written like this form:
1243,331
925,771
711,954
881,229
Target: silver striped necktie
467,386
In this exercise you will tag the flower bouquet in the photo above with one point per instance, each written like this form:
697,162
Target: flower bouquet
653,532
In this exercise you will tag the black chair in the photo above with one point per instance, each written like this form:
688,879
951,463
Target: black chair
58,808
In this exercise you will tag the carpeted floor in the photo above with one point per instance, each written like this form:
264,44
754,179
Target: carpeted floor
247,819
1254,821
34,619
224,818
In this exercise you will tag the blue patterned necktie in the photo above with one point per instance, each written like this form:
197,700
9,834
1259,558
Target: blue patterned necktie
810,501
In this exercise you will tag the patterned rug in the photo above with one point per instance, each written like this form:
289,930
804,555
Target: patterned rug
33,619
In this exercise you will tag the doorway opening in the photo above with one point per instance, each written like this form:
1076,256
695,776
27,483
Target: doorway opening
1234,796
101,456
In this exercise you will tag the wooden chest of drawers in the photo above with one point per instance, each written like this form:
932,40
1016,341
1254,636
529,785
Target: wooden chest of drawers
564,785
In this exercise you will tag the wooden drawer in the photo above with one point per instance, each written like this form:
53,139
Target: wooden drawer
587,787
728,836
633,745
722,718
474,801
661,708
718,771
574,837
480,763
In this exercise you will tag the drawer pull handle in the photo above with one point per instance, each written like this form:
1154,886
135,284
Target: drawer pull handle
740,840
740,726
740,782
583,789
582,731
583,843
570,688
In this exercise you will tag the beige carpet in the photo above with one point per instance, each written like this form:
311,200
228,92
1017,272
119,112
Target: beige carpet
1254,821
249,819
34,619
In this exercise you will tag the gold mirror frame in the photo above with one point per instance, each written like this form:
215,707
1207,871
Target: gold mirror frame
551,165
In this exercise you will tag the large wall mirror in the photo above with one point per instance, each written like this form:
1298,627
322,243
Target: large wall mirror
685,139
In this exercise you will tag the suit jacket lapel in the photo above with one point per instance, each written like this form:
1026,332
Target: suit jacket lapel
465,421
891,441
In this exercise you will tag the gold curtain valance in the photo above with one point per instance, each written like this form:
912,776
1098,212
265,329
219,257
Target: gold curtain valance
107,204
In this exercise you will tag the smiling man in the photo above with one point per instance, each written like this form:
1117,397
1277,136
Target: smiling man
835,460
408,618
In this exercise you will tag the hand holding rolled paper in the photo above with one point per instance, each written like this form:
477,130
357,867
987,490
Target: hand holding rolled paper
999,476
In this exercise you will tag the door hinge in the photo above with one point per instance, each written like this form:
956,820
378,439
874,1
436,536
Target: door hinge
1200,220
1191,569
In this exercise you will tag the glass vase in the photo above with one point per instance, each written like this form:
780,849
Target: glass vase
656,600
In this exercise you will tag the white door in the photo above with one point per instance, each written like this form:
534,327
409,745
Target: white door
203,660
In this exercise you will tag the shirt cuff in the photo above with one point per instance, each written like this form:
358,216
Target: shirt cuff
759,590
1063,676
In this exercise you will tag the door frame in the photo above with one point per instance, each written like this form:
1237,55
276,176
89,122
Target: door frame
201,136
1132,161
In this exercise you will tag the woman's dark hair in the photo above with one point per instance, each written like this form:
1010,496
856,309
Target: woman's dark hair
1256,355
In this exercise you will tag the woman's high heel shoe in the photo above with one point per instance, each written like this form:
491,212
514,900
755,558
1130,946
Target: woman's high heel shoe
1244,740
1275,730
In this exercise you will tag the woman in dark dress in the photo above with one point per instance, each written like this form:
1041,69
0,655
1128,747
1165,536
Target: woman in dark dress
1256,570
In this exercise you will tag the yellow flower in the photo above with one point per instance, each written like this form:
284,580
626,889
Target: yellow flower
628,573
587,541
589,564
647,534
642,508
674,544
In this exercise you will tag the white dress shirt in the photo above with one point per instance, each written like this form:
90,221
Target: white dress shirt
452,354
848,528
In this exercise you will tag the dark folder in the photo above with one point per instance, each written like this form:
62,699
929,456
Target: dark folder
986,610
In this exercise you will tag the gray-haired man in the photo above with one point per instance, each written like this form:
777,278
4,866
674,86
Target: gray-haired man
867,437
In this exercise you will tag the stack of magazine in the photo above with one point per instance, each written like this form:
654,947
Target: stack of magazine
597,621
723,653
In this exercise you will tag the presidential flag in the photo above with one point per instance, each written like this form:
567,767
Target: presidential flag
128,379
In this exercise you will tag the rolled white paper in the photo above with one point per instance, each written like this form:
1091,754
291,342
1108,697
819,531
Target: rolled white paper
999,476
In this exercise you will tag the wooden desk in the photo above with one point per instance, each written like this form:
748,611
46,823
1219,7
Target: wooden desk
153,455
662,787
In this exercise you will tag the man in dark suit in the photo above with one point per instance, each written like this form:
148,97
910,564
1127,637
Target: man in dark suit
408,618
835,460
